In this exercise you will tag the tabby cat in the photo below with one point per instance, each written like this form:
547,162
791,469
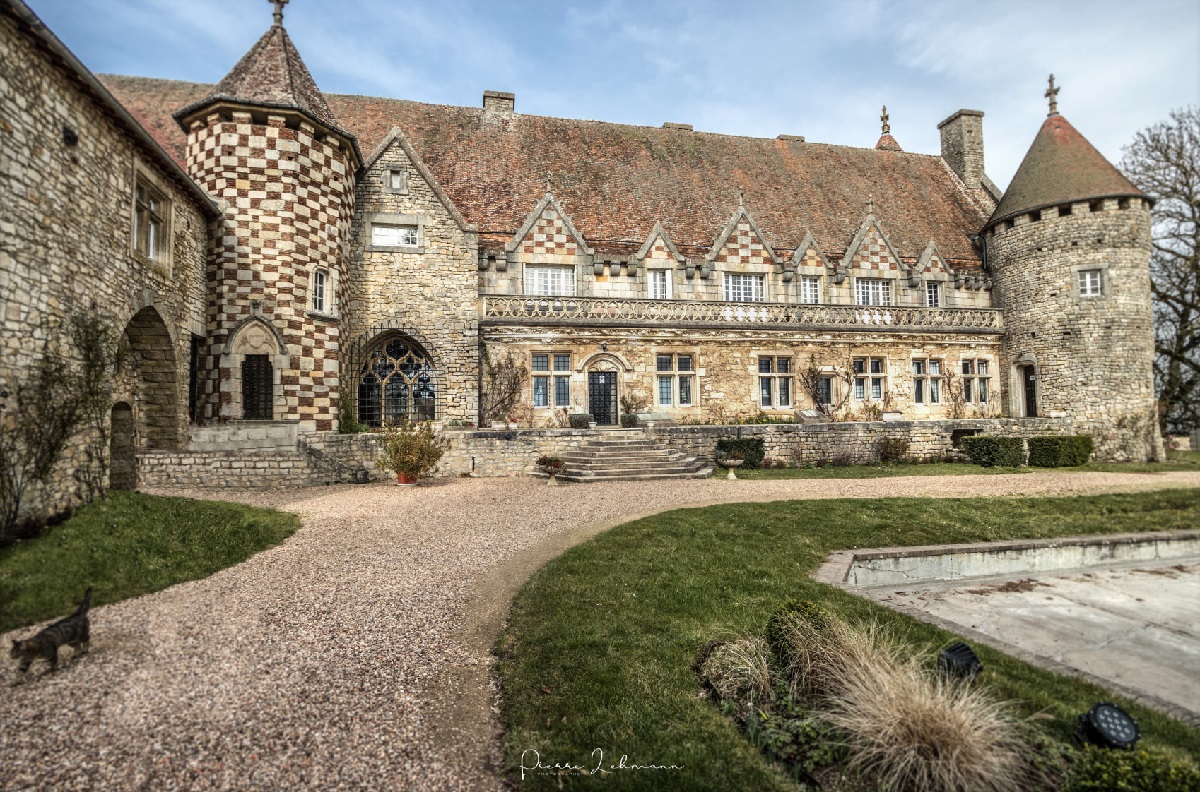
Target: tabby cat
73,630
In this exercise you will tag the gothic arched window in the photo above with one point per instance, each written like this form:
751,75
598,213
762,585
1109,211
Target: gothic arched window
396,383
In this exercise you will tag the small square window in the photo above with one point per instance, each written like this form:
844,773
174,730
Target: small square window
683,363
1090,283
663,363
562,361
395,180
541,361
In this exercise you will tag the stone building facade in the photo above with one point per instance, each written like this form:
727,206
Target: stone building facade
294,282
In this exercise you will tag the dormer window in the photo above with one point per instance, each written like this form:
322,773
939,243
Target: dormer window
933,295
873,291
810,289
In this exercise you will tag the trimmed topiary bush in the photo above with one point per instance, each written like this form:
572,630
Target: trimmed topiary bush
579,420
629,420
987,451
1100,770
1060,451
751,448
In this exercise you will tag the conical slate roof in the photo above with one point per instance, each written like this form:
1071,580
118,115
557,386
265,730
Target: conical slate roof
1061,166
271,74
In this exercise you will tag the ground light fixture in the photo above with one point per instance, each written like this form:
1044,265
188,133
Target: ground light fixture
1107,726
959,660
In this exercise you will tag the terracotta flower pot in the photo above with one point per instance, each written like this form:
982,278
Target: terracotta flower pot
406,479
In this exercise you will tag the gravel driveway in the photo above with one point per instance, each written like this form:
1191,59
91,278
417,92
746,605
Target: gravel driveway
355,655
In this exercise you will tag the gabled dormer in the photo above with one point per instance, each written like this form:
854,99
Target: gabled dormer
876,269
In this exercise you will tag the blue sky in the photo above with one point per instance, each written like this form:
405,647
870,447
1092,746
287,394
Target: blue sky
754,67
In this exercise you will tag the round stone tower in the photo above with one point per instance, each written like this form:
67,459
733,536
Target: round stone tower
1069,250
267,148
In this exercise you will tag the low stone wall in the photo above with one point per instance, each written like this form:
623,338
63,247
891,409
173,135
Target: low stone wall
245,436
855,442
329,458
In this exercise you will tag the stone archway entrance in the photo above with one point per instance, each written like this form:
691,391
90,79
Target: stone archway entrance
151,362
602,393
122,470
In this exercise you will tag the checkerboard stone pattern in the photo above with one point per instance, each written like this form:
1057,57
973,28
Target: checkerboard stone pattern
744,248
550,235
286,194
873,254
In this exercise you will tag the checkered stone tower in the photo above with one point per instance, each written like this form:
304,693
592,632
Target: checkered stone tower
269,151
1069,249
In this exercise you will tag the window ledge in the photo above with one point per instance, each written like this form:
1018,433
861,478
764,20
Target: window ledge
395,249
325,317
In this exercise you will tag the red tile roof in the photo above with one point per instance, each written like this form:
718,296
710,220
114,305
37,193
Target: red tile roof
1060,166
616,180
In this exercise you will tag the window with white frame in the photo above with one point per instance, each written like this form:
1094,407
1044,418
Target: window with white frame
383,235
659,284
774,382
976,381
150,214
1090,283
320,291
550,281
870,378
810,289
740,287
927,381
873,291
933,295
551,387
676,380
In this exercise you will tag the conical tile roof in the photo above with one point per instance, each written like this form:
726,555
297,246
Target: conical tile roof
271,74
1061,166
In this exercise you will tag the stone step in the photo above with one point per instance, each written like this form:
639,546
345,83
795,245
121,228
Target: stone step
672,465
576,456
696,474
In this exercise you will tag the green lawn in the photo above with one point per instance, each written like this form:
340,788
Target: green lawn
127,545
1176,461
599,646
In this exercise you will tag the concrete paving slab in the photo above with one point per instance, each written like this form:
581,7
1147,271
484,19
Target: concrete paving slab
1134,628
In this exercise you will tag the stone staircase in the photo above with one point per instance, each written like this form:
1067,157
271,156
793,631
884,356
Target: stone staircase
628,456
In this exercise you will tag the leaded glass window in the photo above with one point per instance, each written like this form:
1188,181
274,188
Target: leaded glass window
396,384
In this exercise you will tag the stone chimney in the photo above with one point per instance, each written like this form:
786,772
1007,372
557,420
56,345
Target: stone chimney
962,146
499,102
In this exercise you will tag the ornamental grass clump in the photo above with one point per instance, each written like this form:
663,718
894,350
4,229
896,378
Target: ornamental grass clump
740,671
907,730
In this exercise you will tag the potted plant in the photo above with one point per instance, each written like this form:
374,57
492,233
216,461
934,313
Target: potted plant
731,460
551,466
411,451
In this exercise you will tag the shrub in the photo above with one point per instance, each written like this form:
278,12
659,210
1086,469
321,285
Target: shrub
629,420
892,449
812,648
550,465
579,420
795,738
413,449
911,732
987,451
739,671
1101,770
751,449
1061,451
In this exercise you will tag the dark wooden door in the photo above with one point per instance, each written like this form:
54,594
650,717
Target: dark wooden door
602,397
257,390
1029,376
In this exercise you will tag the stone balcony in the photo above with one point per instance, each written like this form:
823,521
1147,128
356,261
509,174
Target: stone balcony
612,312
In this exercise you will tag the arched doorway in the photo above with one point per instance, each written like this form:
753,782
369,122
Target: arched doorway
396,382
602,391
122,465
1028,378
151,361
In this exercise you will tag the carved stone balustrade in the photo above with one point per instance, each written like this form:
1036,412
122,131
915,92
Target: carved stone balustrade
608,312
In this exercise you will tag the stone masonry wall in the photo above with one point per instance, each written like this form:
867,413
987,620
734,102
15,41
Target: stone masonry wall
66,244
727,375
428,292
1094,354
286,190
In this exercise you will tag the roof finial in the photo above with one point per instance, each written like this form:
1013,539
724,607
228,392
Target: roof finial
870,204
548,190
741,196
1052,95
884,118
278,16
